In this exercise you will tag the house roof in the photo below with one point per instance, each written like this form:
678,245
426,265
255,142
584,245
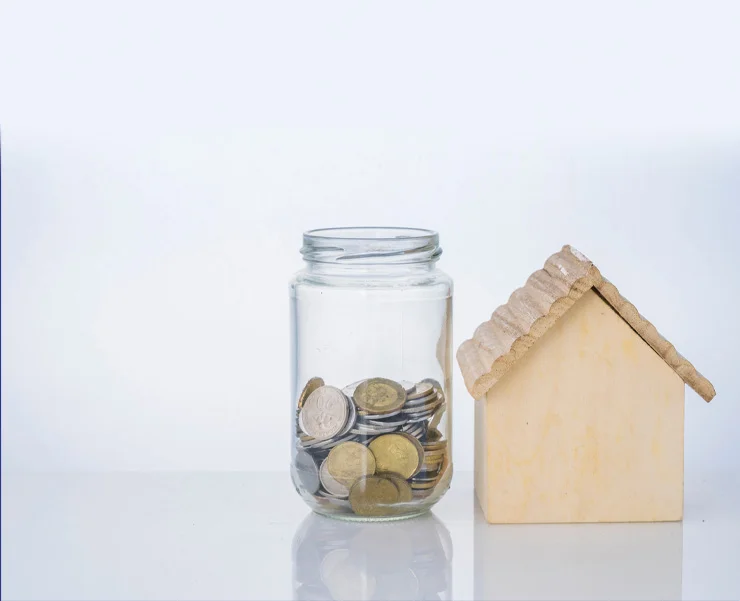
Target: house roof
532,310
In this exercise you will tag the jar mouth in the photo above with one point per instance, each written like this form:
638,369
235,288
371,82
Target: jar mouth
371,245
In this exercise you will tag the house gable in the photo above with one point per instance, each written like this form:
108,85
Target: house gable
586,427
533,309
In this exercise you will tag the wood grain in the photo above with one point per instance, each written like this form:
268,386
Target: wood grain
587,427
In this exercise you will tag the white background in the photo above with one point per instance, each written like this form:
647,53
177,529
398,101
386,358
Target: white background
161,159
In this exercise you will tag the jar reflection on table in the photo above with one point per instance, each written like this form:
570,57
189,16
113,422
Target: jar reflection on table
341,560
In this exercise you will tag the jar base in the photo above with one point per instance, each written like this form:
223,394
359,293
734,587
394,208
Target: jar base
351,517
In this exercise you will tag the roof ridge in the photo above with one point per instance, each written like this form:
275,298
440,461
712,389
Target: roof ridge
533,309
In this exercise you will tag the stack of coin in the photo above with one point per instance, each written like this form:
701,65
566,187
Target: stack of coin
371,447
434,463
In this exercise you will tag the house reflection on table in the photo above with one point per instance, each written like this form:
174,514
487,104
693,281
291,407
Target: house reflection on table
408,559
578,561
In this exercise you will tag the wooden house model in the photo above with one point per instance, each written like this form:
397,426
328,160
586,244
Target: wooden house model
580,404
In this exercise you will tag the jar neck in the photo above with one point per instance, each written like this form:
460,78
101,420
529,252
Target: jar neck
370,251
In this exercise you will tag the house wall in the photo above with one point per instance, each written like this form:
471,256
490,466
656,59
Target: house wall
586,427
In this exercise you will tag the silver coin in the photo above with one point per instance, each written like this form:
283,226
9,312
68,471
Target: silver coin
307,471
310,444
437,386
422,389
352,418
421,408
415,419
388,424
324,414
432,399
328,444
373,432
380,416
369,426
334,488
349,390
418,409
418,419
420,400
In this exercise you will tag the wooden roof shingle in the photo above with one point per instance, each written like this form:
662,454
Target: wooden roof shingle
532,309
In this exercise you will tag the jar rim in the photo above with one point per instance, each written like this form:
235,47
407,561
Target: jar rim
381,233
371,245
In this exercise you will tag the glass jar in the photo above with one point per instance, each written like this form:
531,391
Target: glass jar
371,373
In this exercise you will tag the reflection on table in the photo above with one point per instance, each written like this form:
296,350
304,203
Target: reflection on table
577,561
408,559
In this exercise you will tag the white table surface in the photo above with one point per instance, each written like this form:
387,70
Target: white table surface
230,535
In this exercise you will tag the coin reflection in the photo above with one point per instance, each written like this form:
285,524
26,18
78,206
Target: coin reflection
409,559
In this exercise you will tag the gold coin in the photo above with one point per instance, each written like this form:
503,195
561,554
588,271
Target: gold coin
396,453
419,448
434,455
422,485
405,494
379,396
433,446
373,495
433,435
310,386
349,461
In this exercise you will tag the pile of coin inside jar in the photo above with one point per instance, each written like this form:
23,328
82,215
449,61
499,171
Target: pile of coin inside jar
373,447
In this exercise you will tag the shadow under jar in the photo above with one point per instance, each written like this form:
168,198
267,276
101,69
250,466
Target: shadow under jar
371,364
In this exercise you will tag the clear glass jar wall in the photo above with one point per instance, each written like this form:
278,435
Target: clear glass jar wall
371,364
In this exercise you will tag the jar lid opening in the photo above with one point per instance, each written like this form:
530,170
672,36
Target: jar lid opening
369,233
371,245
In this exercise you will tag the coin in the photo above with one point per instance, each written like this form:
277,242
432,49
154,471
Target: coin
423,402
409,387
421,485
330,484
310,386
324,413
352,416
349,390
379,396
417,446
366,415
422,389
387,424
435,384
405,494
307,471
414,429
338,431
433,435
332,442
372,495
349,461
396,453
431,459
